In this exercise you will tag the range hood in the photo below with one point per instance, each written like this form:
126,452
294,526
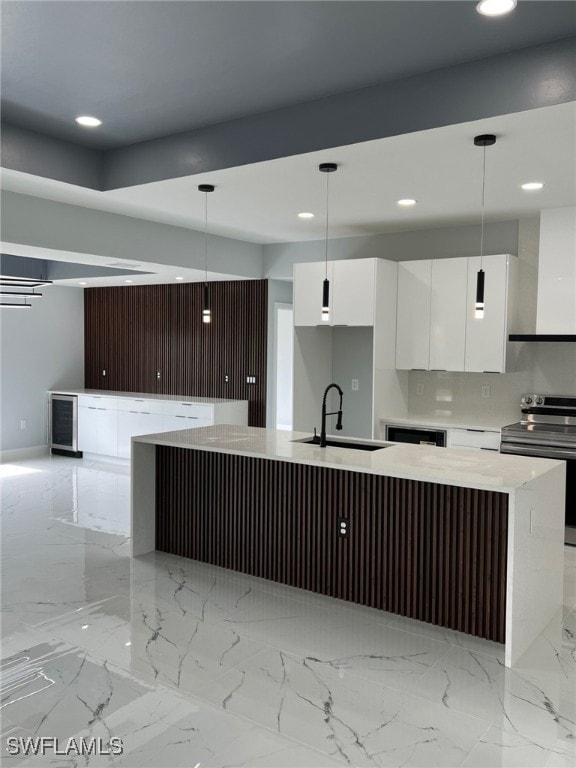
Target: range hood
556,304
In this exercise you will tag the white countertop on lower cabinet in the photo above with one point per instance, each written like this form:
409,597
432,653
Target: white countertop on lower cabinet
144,396
450,466
488,422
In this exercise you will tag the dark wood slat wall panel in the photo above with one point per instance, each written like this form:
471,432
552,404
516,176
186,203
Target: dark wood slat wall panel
133,332
431,552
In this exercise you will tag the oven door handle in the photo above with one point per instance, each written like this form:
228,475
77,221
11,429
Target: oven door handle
538,451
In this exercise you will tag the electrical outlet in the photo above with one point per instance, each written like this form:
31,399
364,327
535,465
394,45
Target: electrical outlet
158,375
343,527
419,389
226,378
354,385
103,371
250,379
486,390
23,423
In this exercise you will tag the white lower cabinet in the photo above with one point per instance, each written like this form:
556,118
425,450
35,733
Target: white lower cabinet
482,439
88,429
132,423
98,430
106,425
170,423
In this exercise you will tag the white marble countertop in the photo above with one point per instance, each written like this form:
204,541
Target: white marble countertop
144,396
450,466
488,422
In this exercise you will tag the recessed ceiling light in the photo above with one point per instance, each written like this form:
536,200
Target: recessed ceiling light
305,215
179,278
531,185
127,281
495,7
406,202
88,121
82,282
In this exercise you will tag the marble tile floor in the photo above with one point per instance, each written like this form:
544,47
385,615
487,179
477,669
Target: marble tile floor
193,665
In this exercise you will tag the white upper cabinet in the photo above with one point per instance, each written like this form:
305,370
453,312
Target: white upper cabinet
486,337
413,315
447,314
352,291
436,329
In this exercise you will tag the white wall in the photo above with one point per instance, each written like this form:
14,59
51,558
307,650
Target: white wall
30,223
42,348
284,365
279,292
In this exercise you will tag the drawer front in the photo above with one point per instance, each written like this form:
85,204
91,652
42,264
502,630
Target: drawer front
171,423
190,410
470,438
140,405
98,401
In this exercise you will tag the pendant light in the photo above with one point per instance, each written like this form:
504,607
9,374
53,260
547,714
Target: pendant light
29,284
206,313
484,140
326,168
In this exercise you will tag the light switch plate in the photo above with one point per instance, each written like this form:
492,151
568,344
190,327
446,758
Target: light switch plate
354,385
419,389
486,390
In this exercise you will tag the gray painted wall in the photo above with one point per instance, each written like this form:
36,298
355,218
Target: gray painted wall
352,358
42,348
32,221
31,152
500,237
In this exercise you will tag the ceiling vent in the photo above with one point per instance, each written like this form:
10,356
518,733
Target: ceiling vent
124,265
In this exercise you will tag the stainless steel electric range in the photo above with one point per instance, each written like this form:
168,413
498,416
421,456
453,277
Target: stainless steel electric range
548,431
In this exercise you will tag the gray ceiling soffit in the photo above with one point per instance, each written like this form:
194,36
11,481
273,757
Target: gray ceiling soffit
156,68
40,155
527,79
48,269
16,266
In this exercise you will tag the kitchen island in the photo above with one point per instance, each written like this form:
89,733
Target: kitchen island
464,539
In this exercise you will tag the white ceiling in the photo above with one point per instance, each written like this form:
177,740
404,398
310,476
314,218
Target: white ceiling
440,168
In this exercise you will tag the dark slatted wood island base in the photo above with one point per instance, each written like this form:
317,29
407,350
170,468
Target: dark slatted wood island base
427,551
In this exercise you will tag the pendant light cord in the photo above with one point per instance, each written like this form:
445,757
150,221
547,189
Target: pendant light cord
206,238
483,193
326,238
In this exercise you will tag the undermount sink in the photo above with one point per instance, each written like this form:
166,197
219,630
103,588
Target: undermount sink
342,444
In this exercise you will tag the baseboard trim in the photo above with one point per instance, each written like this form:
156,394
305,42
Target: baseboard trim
17,454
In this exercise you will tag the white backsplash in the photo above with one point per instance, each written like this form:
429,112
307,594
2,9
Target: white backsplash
549,368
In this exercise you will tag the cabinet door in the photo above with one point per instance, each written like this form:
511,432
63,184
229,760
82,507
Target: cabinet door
107,431
88,429
486,337
128,423
150,423
448,314
308,281
413,315
353,292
